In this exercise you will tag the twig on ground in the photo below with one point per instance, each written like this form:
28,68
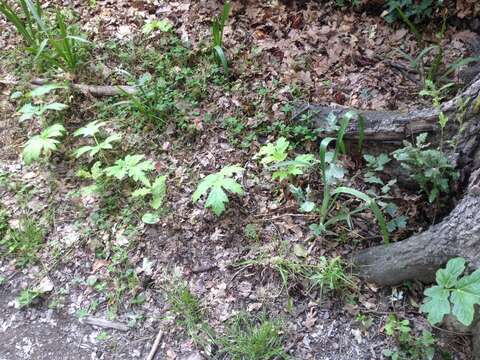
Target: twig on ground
94,90
204,268
104,323
155,345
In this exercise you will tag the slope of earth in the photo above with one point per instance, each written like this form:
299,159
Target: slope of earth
98,260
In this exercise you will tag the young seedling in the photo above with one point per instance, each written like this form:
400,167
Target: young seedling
91,130
216,184
45,143
218,26
454,294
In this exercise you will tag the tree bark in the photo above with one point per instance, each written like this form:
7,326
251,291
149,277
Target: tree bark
458,234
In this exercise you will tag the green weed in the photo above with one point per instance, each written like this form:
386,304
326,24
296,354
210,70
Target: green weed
25,242
429,168
218,26
253,338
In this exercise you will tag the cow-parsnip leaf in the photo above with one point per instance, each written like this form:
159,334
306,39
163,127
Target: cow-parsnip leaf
216,184
92,150
454,294
46,142
91,129
273,152
132,166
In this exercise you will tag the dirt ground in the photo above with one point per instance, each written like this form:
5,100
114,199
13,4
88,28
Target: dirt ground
90,255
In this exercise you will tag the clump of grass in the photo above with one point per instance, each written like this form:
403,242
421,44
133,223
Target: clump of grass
253,338
25,242
331,275
185,305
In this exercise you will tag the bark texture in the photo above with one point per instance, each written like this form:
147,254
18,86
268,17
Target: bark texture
458,234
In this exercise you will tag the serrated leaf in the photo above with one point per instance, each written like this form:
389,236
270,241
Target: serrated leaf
448,277
159,190
436,305
274,152
465,296
141,192
217,200
217,197
44,143
90,129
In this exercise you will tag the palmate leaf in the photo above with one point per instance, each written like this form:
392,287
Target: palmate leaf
217,184
44,142
465,296
95,149
133,167
436,304
274,152
90,129
454,295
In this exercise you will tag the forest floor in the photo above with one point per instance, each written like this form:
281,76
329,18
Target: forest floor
98,260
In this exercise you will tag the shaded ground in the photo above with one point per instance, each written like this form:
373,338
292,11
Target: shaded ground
280,54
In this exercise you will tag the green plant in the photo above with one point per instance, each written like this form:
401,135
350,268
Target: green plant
46,142
409,347
163,25
275,156
429,168
55,43
437,96
253,338
153,101
3,222
218,26
30,110
91,130
453,294
250,232
375,164
157,190
24,242
216,184
185,305
67,46
331,173
23,17
27,297
303,198
132,166
410,9
331,275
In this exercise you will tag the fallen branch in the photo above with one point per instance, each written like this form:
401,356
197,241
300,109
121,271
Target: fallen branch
103,323
94,90
155,345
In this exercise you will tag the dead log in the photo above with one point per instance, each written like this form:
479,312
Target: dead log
94,90
458,234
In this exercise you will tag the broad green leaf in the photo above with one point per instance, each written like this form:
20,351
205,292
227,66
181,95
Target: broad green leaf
436,305
448,277
28,111
232,186
217,200
141,192
54,106
44,142
159,190
90,129
216,183
45,89
150,218
465,296
274,152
